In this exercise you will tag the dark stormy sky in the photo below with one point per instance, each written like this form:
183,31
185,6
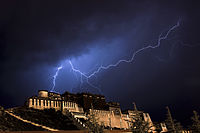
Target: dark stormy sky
36,37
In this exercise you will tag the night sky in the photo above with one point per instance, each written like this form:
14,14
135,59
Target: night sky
36,37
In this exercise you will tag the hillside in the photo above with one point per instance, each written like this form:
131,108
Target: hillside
48,117
9,123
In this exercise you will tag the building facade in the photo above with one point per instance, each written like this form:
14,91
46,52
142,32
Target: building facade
48,100
82,105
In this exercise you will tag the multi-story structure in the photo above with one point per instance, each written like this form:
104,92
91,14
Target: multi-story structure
47,100
82,105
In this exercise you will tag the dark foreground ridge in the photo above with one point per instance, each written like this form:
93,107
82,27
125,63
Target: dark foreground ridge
47,117
9,123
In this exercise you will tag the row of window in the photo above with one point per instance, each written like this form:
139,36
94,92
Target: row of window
49,102
45,102
69,104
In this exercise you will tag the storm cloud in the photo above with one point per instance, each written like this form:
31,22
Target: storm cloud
37,36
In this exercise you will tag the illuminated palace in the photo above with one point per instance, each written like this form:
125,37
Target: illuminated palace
81,105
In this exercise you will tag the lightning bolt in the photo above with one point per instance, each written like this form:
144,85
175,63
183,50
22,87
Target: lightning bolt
85,76
130,60
54,78
160,38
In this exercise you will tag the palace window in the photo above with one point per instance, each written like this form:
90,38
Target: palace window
44,102
47,102
36,101
39,102
32,101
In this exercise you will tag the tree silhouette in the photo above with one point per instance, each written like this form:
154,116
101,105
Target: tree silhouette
169,121
195,122
138,125
92,122
172,125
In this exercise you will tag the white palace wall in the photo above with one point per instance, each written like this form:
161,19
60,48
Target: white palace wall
38,103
